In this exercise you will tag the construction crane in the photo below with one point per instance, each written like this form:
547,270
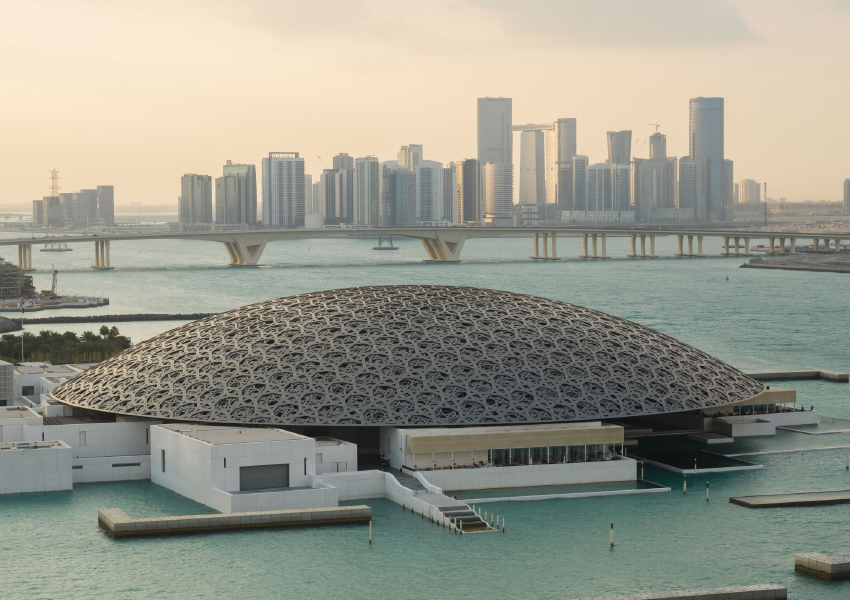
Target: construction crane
323,162
634,155
656,125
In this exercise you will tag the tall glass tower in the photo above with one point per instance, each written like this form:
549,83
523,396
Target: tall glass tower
495,135
705,136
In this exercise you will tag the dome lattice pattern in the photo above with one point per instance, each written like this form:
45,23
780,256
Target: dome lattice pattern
407,355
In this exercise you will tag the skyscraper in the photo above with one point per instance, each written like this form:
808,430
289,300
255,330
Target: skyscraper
688,183
470,194
579,167
284,198
847,196
410,155
106,204
38,213
429,191
195,202
599,183
367,194
495,137
499,190
450,193
657,146
343,161
560,149
532,172
728,187
619,155
399,191
308,194
706,143
236,195
749,191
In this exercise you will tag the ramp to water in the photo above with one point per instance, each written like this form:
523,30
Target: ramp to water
764,592
786,500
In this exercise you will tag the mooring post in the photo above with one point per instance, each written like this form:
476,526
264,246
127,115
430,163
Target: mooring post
695,469
685,489
370,531
641,469
612,533
706,491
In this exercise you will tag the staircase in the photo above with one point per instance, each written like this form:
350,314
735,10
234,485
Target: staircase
459,512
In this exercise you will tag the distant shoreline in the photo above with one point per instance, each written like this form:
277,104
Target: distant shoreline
116,318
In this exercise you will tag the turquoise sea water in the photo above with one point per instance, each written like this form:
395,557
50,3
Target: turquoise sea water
757,320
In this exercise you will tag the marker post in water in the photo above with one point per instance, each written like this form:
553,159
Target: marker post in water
706,491
370,531
685,488
695,469
612,533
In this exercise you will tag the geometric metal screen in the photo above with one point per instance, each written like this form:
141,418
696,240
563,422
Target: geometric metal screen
407,355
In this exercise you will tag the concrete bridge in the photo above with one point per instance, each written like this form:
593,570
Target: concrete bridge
444,244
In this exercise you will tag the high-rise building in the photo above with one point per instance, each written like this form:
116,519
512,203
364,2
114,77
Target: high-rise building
706,143
499,190
343,161
560,149
450,193
470,193
847,196
344,201
657,146
284,199
318,200
308,194
367,193
599,182
654,181
736,194
429,192
495,136
106,204
579,172
38,219
688,183
411,155
398,194
619,147
329,195
749,191
654,186
195,202
236,195
619,158
532,174
728,187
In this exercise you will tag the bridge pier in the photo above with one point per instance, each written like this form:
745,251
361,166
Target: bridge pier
25,257
725,251
699,246
101,255
815,244
595,247
545,247
246,249
737,245
445,246
681,249
746,246
793,248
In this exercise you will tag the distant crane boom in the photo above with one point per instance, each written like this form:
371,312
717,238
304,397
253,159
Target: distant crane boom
656,125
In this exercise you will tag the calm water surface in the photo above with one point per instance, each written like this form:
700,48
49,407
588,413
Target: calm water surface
757,320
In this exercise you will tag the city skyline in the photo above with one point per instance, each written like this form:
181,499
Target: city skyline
143,138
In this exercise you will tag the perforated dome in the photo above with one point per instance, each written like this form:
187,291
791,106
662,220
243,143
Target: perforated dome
407,355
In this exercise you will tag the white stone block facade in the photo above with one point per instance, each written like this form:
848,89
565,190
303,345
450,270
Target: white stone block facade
210,473
24,467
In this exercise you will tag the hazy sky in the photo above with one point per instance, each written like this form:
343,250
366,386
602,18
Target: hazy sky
135,94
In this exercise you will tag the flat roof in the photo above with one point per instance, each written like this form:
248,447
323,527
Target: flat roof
508,428
17,412
329,441
31,445
34,370
215,435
